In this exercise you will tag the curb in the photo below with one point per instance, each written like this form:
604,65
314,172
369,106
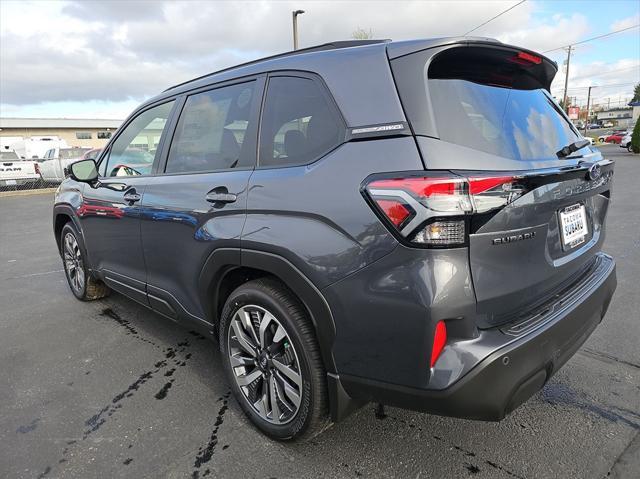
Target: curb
40,191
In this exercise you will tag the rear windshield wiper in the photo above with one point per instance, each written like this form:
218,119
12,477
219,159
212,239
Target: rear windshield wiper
573,147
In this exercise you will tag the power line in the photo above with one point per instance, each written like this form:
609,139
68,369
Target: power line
608,72
493,18
598,86
591,39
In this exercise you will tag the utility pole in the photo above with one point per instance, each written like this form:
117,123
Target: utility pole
294,17
566,81
586,123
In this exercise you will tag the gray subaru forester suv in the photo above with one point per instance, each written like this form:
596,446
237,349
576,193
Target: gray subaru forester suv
413,223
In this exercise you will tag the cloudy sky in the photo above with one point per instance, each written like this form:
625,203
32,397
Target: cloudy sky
99,59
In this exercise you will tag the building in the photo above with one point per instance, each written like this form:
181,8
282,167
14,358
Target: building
621,117
91,133
636,111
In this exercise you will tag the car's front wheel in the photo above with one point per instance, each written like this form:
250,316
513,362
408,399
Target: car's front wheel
273,362
83,285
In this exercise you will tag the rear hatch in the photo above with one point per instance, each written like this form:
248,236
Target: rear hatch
534,216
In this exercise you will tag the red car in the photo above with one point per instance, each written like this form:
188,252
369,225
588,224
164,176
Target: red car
616,137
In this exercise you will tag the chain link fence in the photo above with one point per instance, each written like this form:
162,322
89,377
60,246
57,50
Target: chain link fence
17,174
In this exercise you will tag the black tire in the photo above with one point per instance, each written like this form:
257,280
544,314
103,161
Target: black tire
75,266
311,417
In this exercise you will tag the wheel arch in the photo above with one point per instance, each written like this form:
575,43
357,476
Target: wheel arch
227,268
63,214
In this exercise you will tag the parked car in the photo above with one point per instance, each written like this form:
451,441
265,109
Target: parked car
134,162
16,172
35,148
56,160
427,250
625,142
607,124
91,154
615,137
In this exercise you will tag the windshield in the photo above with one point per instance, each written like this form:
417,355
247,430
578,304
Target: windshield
518,124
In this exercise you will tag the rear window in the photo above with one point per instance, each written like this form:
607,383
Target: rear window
8,155
490,99
299,123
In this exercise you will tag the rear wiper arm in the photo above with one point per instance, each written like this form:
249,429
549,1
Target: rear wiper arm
573,147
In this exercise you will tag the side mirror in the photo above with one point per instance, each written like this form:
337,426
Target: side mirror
85,171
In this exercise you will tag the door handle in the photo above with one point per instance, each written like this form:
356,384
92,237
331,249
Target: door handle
132,197
215,197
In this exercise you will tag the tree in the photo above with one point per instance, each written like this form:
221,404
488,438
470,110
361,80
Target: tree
635,137
563,106
636,93
362,34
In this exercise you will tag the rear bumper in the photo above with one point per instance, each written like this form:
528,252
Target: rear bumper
511,373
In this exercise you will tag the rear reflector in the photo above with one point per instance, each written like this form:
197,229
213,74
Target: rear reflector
439,340
394,210
419,207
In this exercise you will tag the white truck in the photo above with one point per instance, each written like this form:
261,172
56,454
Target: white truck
56,160
15,172
35,147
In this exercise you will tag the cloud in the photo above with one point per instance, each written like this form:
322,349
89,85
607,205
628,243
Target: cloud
81,51
626,22
121,11
612,82
547,36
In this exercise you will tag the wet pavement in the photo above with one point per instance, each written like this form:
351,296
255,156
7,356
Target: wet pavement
109,389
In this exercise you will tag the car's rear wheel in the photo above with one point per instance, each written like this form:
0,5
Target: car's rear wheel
83,285
272,361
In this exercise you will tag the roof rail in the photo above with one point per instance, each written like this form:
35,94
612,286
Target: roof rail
325,46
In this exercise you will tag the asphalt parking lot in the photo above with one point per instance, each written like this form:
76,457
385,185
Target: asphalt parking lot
109,389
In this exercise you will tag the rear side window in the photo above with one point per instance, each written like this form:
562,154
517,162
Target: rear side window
299,123
211,131
488,99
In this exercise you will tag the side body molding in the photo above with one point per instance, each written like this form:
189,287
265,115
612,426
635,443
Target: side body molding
304,289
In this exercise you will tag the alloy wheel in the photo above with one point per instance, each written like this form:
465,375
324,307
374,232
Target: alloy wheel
73,264
265,364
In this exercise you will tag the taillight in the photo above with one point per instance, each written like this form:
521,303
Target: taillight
432,210
526,59
36,167
439,341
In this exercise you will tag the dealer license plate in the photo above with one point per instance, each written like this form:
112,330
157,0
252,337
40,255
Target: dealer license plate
573,224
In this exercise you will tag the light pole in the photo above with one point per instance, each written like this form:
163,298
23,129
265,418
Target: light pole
294,17
586,123
566,81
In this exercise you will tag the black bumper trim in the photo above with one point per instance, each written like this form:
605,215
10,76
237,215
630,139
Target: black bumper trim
511,374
